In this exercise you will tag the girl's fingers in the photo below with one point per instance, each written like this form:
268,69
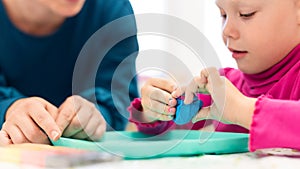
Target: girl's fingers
200,84
157,106
208,113
178,92
162,84
212,78
159,96
203,114
159,90
192,89
155,116
163,117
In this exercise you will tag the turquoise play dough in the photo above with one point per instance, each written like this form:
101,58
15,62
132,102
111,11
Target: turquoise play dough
135,145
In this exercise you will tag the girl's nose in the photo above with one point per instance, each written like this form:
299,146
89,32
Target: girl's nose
230,30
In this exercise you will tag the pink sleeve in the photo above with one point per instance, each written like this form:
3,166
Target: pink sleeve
276,124
157,127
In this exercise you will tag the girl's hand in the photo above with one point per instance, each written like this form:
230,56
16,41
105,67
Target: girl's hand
229,104
157,101
78,118
31,120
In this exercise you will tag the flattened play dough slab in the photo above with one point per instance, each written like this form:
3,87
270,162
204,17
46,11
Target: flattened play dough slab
135,145
185,112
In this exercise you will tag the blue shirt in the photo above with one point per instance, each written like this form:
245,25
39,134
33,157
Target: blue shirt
43,66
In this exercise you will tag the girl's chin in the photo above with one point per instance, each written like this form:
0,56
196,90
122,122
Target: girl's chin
248,71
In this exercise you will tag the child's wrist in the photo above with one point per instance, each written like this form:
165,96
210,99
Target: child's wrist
137,114
245,112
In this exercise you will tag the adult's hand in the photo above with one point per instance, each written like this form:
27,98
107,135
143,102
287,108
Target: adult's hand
31,120
79,118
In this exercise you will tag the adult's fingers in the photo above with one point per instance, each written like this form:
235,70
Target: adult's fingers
31,131
4,139
80,135
98,133
91,129
53,110
36,109
46,122
67,111
48,106
74,127
15,134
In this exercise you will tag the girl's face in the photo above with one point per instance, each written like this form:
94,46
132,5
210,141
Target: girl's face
259,33
64,8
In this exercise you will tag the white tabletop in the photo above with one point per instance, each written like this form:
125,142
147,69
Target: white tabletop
242,161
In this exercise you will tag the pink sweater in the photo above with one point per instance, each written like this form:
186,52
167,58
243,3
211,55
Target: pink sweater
276,119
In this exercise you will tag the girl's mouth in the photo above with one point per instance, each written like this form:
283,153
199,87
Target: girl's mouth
237,54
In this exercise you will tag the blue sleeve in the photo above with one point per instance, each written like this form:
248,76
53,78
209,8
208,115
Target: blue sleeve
8,95
114,97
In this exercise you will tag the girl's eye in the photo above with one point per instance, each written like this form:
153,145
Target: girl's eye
222,14
247,15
